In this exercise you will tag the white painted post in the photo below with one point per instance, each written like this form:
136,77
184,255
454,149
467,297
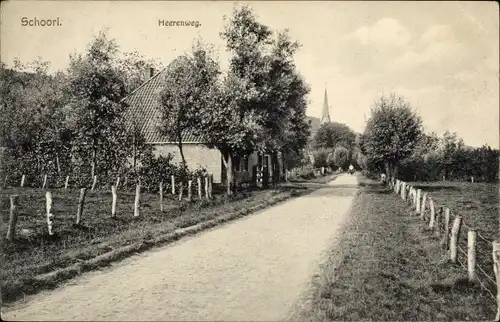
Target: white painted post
113,201
455,230
44,181
173,184
446,227
403,191
22,180
137,200
198,181
94,183
190,193
419,199
424,201
471,255
14,204
50,221
81,202
433,214
180,190
161,196
66,183
472,179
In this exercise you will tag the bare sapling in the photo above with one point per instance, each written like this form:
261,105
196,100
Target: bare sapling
66,183
94,183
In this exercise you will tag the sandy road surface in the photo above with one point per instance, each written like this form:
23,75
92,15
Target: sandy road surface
252,269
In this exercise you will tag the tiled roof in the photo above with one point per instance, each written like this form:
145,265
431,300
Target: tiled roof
144,108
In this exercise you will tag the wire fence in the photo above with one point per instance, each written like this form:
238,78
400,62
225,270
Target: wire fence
425,206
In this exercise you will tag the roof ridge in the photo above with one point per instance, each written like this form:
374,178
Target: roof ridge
143,84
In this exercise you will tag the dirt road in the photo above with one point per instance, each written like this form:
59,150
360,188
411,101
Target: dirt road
252,269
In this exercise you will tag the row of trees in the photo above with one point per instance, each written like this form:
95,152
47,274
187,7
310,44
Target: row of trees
75,121
394,142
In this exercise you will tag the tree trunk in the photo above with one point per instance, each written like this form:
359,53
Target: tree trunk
134,152
58,163
181,152
92,163
228,164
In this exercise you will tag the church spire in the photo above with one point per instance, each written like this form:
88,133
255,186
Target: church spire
325,117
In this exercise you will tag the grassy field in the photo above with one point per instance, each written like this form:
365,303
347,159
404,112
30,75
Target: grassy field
34,252
388,266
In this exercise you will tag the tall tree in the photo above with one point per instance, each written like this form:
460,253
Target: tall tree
97,112
135,67
187,84
330,135
392,132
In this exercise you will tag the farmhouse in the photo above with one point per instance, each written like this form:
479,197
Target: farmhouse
144,110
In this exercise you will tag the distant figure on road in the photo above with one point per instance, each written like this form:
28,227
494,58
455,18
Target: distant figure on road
383,178
351,169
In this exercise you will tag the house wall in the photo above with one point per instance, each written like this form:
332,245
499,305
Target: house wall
196,155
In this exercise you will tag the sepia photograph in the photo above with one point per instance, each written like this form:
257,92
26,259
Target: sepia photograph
249,161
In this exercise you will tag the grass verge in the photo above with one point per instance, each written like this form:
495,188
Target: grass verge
36,261
387,266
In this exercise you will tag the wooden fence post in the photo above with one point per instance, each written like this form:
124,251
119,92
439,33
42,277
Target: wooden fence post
433,213
81,203
66,183
23,178
206,188
198,181
471,255
455,230
50,222
190,193
11,230
44,181
446,227
161,196
113,202
496,268
173,184
424,201
94,183
180,190
137,199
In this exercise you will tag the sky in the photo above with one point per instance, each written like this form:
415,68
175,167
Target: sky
442,57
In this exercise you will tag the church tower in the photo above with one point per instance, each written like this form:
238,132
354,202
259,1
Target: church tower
325,117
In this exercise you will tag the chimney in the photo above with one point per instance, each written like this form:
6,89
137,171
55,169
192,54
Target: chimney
150,71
